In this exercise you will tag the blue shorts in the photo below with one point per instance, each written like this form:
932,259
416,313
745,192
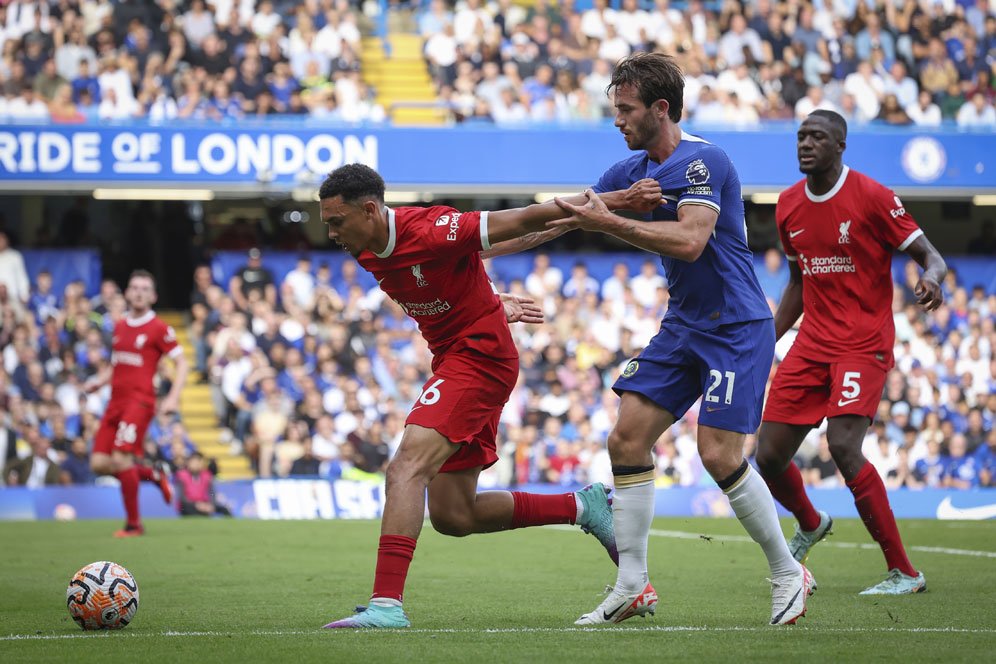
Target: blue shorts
728,367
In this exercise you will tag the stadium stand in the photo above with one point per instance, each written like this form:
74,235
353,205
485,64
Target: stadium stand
914,62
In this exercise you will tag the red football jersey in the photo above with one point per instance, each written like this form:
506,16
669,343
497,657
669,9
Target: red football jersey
433,269
138,345
843,243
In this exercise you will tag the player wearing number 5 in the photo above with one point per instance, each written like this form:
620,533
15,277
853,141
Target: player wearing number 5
716,340
839,229
429,261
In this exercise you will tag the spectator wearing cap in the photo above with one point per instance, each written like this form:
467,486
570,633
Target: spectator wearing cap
252,277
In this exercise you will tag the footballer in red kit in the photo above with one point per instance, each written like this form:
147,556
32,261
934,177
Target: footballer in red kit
839,229
429,260
140,340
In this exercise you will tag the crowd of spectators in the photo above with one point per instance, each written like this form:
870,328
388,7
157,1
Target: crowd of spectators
898,62
70,61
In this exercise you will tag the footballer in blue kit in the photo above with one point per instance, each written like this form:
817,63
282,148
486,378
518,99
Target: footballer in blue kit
716,341
717,338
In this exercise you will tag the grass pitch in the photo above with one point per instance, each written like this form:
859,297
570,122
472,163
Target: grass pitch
253,591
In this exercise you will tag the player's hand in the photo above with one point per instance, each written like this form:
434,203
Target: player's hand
644,196
169,405
591,216
928,294
521,309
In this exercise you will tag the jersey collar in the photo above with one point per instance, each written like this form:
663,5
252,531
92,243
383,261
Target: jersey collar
833,191
141,320
392,234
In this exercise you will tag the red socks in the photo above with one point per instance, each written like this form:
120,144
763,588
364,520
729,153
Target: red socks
129,493
394,555
873,505
534,509
789,490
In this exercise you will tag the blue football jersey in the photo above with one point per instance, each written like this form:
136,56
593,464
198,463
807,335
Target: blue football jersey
720,287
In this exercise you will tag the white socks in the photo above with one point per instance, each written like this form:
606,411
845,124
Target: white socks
752,503
632,514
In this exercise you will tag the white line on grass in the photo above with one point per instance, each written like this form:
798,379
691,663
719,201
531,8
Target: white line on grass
509,630
681,534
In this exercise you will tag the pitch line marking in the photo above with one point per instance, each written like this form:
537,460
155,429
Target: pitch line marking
509,630
681,534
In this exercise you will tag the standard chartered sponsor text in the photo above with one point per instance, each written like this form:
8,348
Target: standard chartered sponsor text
416,309
830,264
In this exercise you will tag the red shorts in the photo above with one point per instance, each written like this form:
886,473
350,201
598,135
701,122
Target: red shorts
123,427
463,400
805,391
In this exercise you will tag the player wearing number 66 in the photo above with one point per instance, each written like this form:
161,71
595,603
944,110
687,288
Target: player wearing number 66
839,229
429,261
716,341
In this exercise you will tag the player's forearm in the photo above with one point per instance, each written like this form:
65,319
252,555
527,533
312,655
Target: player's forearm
523,243
530,221
666,239
180,370
789,309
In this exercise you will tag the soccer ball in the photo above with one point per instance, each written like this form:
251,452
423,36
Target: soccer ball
102,595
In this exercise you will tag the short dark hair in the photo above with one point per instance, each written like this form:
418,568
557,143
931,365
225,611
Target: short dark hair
353,182
655,76
835,119
142,274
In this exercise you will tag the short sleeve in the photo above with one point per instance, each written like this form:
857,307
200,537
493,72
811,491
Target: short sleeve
781,211
613,179
895,226
167,342
448,232
705,176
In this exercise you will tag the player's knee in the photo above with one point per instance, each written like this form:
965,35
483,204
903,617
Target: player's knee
404,470
452,524
769,462
846,453
718,462
624,447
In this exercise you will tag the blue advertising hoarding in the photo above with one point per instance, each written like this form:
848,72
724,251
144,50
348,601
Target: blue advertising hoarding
282,156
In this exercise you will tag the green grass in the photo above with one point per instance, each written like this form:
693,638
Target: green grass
260,591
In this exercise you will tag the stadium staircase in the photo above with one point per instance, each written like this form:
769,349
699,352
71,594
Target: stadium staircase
197,411
400,77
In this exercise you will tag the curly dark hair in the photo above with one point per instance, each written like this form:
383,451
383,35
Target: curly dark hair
655,76
353,182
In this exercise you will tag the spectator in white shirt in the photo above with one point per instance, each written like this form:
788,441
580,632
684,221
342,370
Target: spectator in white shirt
976,112
594,21
645,284
613,48
736,80
632,22
27,107
867,88
901,85
12,271
740,37
298,288
614,288
197,24
812,101
924,112
471,22
266,20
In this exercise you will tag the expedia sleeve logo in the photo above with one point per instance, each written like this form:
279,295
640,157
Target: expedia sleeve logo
631,369
697,173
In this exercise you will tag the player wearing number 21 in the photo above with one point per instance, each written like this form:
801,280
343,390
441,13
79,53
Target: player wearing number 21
716,341
839,229
429,261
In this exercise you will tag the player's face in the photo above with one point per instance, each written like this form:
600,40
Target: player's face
349,224
141,294
817,146
635,120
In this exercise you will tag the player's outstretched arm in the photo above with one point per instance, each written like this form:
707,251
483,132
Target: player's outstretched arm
684,240
503,225
790,306
928,288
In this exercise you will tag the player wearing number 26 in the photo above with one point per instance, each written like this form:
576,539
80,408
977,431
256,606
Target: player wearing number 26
429,261
839,229
716,341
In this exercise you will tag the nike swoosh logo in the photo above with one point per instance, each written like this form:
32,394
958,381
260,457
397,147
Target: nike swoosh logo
608,616
788,606
949,512
794,233
845,402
